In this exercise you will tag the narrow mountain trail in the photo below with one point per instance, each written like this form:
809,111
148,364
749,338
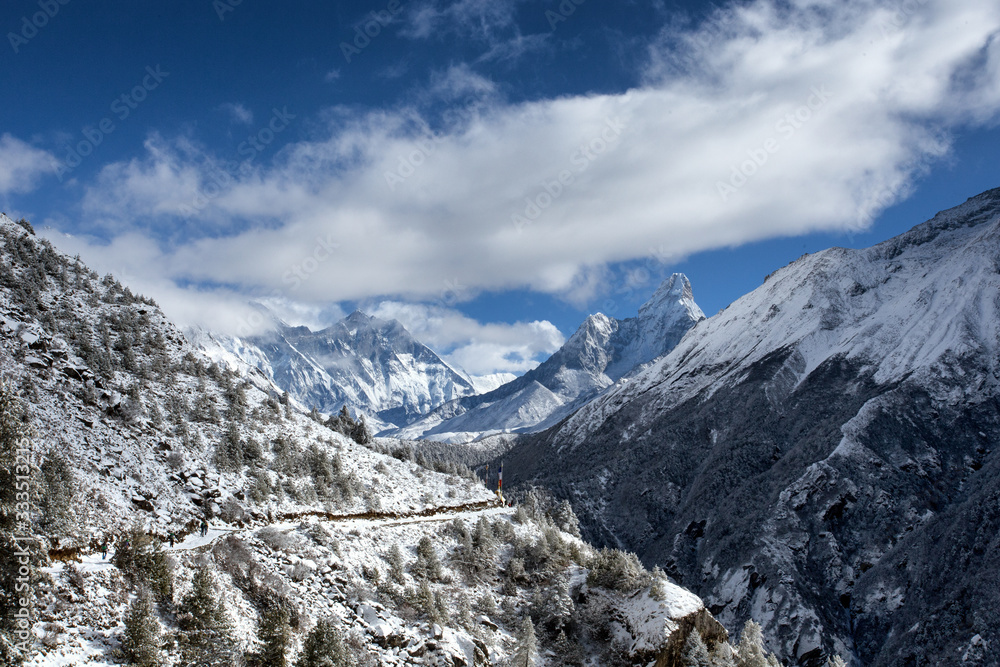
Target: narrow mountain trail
93,561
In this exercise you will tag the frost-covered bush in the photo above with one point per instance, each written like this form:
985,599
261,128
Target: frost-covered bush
617,570
277,539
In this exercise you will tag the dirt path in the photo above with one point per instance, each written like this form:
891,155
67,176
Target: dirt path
191,537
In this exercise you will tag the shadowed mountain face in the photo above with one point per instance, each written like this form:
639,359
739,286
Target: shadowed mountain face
820,456
602,351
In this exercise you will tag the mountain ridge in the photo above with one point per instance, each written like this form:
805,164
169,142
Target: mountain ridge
373,366
600,352
799,455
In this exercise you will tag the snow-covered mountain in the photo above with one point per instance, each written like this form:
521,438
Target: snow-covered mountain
371,365
599,353
316,548
821,455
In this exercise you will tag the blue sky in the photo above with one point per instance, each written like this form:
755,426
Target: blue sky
489,172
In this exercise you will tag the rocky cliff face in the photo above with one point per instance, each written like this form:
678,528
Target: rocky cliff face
820,456
599,353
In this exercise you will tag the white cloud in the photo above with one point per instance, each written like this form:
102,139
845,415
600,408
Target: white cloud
238,113
477,348
516,47
298,314
831,110
21,165
478,19
460,81
332,75
489,22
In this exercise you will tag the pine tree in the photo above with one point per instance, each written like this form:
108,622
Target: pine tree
276,636
695,652
324,647
58,491
396,567
440,614
14,432
141,643
142,559
427,565
487,605
567,651
526,652
360,433
204,620
722,655
229,451
565,519
484,547
463,611
750,651
559,608
657,585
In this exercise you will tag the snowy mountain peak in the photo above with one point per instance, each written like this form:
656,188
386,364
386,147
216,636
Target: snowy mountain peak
599,353
673,296
840,419
371,365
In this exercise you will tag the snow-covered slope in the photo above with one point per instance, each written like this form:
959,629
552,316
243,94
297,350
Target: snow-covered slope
599,353
133,436
373,366
487,383
804,455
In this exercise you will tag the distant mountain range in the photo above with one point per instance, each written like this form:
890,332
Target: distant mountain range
371,365
601,352
821,455
406,390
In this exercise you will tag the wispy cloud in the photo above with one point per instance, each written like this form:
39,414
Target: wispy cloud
477,348
476,19
22,165
769,120
238,113
492,23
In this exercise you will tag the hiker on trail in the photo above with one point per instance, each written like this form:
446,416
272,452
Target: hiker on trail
204,528
170,538
104,549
